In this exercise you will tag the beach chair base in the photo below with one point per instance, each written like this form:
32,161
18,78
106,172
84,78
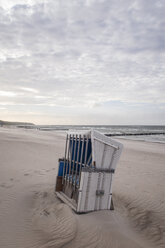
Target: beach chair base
64,198
72,204
93,194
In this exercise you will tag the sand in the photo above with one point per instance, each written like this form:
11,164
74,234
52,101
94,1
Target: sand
31,215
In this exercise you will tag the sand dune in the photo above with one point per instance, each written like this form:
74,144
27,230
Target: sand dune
142,196
32,217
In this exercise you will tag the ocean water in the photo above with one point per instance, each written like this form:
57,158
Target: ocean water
118,130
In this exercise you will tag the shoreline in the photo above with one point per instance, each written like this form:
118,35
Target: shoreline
140,140
131,137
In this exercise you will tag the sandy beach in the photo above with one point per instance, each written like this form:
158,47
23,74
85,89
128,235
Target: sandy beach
32,217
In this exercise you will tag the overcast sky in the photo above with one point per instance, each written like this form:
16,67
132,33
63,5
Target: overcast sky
82,61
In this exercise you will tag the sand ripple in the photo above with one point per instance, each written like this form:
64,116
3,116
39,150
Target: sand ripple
146,219
58,226
53,220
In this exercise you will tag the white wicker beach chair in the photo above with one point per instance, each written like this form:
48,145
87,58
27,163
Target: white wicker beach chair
85,173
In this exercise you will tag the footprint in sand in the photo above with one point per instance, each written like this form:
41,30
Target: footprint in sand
39,172
6,185
26,174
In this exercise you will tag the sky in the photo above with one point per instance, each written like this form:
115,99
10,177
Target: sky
98,62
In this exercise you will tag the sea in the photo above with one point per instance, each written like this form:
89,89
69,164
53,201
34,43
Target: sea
146,133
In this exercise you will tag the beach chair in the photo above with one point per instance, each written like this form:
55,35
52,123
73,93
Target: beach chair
84,179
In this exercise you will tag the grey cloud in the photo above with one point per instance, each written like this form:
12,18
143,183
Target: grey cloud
84,51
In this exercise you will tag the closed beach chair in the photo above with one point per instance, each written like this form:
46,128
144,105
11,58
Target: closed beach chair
84,179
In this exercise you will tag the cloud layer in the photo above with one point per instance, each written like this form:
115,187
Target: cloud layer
78,60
